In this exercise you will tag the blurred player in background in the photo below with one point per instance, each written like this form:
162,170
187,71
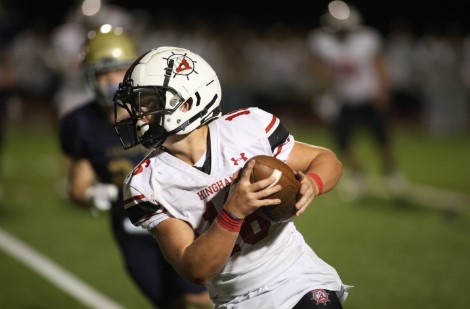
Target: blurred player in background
98,165
185,193
349,64
66,42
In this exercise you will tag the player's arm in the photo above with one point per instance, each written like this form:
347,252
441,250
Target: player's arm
80,177
200,259
317,167
320,164
83,187
197,259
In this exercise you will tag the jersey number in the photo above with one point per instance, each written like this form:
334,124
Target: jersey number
254,228
239,112
141,166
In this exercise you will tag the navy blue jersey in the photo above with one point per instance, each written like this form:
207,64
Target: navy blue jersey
86,133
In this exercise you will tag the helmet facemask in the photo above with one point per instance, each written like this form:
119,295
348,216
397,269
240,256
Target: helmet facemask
148,108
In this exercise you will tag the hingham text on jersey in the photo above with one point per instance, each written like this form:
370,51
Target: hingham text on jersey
214,188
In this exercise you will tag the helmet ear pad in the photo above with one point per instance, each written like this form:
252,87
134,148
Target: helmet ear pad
186,106
198,101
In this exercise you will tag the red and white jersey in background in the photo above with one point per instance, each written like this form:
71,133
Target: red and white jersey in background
271,266
352,60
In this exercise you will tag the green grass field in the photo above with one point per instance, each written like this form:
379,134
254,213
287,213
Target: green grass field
396,254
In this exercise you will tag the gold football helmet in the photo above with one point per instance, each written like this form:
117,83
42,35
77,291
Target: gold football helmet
107,48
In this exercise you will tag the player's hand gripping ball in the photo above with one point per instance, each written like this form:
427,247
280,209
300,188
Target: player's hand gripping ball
267,166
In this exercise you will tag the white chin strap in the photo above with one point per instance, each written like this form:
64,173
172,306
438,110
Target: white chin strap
141,127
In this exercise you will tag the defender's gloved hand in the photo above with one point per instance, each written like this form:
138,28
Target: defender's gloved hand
102,195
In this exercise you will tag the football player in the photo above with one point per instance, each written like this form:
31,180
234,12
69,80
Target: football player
98,166
189,194
348,60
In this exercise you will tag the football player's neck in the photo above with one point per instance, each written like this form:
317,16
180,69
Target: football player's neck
190,147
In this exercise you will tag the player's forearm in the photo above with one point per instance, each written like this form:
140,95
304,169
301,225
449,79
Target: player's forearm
328,168
319,160
207,255
80,178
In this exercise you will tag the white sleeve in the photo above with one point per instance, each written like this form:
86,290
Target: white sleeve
279,138
154,220
141,211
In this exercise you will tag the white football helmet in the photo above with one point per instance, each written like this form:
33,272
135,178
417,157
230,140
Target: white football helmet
153,91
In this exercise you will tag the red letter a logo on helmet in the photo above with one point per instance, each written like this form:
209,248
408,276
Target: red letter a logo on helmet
184,65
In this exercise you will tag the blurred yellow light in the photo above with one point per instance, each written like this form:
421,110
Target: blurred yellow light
106,28
117,52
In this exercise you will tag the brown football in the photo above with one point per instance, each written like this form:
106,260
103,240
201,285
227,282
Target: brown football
265,167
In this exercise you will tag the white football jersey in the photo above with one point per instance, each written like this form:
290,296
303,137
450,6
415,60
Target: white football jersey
352,60
271,266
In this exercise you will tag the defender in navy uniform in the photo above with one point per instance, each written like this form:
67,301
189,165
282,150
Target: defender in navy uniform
98,165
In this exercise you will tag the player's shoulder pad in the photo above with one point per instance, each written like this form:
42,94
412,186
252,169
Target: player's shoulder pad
250,116
252,123
143,168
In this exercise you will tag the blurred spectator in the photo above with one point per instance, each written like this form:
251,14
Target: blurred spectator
405,102
237,87
441,62
348,62
34,82
165,28
66,41
276,66
9,27
98,165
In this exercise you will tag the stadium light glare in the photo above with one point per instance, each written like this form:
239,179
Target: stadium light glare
91,7
339,9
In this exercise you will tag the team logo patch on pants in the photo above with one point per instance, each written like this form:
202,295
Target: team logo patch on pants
320,296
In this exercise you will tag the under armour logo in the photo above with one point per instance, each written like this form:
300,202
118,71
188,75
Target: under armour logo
242,157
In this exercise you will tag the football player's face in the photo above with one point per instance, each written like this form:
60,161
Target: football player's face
111,76
149,103
108,82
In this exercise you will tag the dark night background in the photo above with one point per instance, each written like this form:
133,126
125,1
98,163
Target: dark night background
421,15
